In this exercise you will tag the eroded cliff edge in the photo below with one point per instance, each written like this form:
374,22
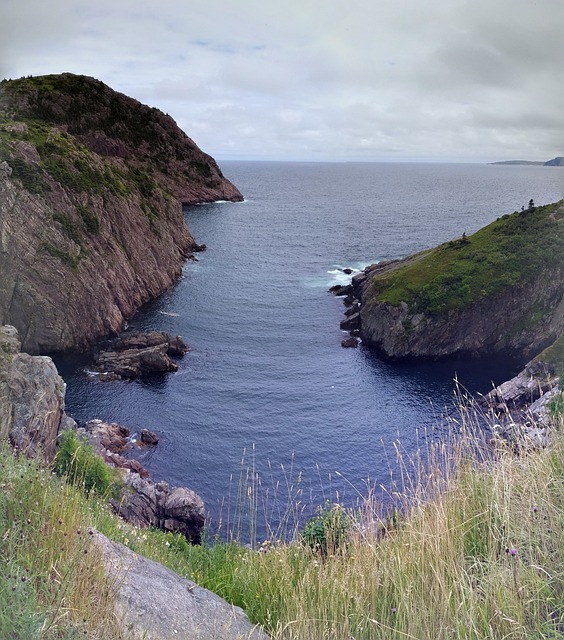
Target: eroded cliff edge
91,225
498,291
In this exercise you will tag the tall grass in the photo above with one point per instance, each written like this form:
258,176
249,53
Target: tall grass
52,584
473,548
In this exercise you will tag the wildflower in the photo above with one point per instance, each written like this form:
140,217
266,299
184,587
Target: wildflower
513,551
394,610
535,508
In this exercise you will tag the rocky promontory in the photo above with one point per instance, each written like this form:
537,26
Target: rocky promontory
91,224
498,291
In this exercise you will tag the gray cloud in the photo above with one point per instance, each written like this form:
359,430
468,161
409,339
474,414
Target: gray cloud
451,79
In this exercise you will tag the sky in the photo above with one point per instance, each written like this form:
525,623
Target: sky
331,80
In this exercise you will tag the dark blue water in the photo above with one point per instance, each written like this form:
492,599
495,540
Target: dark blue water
266,373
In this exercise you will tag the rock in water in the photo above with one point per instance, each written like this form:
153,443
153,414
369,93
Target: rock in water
139,354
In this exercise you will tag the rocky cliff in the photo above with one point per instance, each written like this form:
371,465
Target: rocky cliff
500,290
91,226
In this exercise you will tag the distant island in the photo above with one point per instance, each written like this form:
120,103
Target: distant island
555,162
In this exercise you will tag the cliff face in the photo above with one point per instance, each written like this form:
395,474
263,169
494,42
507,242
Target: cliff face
91,227
498,291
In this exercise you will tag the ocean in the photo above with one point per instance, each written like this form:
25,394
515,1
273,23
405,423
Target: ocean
267,403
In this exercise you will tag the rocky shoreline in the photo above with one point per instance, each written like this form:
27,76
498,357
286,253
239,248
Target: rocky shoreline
519,408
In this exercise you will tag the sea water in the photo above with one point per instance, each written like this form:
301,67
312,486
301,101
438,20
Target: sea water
267,395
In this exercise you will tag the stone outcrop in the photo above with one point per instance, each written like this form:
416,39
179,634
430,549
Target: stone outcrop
91,225
522,391
149,504
439,303
139,354
31,398
154,603
143,502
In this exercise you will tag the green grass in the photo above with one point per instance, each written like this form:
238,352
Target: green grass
51,581
474,550
507,253
554,355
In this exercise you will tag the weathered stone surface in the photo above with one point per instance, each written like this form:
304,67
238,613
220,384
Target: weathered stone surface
341,289
524,389
91,225
149,437
107,435
31,398
154,603
350,323
351,342
143,339
159,505
138,354
110,440
135,363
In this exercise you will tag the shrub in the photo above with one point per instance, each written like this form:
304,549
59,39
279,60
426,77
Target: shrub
82,466
328,530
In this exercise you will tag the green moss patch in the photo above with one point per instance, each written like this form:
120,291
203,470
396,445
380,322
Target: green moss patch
509,252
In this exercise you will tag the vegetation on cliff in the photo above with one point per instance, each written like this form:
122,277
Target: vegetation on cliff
496,290
91,226
474,548
509,252
70,119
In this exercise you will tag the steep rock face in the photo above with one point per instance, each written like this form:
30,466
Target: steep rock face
32,398
91,226
498,291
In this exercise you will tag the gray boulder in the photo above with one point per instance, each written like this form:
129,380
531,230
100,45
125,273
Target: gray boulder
137,354
149,504
31,398
154,603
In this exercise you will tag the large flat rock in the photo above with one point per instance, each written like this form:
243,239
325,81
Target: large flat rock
154,603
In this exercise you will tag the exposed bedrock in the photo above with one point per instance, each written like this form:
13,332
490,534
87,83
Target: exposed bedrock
92,184
499,291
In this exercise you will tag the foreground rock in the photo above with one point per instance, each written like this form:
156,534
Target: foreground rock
139,354
154,603
536,379
92,184
31,398
145,503
522,406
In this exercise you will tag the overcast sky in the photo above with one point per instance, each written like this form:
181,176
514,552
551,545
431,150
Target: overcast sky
453,80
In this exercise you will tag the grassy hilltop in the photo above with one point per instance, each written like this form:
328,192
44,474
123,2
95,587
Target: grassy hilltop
498,290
